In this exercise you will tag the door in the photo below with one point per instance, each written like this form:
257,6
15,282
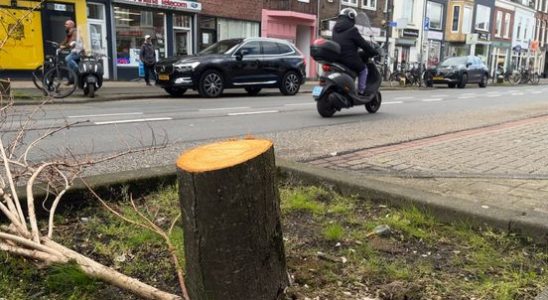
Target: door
247,70
182,42
54,16
272,61
97,28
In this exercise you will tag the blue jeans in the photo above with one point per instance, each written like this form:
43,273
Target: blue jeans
362,80
72,61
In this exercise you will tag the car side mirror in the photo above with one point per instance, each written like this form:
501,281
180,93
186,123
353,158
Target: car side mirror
468,65
241,53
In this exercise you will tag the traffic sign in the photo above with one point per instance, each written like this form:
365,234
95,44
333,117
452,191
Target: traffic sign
392,24
426,23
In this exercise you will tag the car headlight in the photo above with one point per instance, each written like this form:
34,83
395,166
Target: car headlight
183,67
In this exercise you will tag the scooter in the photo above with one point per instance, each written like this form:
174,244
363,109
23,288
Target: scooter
337,89
90,74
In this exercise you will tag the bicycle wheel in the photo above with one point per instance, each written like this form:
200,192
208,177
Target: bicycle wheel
60,82
534,79
394,79
514,78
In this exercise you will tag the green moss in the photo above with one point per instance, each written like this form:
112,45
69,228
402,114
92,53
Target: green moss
333,232
69,280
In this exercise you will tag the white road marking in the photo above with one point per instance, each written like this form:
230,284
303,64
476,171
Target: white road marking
299,104
518,94
536,92
107,115
132,121
432,100
393,102
253,112
403,98
439,96
467,97
493,95
223,108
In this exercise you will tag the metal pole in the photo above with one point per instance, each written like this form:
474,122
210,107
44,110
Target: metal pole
422,41
387,34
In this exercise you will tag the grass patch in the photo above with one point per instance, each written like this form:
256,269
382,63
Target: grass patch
420,258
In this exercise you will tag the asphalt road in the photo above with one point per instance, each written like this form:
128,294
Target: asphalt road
292,122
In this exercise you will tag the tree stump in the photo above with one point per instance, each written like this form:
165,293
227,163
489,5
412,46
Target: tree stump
231,221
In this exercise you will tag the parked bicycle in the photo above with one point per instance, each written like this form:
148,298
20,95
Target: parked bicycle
512,77
528,76
58,80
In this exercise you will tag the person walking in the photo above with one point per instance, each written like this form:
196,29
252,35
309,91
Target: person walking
148,58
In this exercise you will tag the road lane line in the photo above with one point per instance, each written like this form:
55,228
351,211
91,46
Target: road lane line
298,104
107,115
132,121
403,98
536,92
518,94
493,95
223,108
393,102
253,112
439,96
432,100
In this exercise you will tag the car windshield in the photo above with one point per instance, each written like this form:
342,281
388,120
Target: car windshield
222,47
454,61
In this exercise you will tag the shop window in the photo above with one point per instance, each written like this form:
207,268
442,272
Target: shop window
350,2
182,21
435,14
229,29
131,27
483,15
96,11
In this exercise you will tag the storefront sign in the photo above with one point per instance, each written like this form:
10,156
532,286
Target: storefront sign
410,33
170,4
435,35
483,36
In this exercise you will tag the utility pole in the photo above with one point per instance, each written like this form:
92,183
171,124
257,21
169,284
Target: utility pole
388,19
423,24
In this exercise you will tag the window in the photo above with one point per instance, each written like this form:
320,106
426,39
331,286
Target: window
285,48
408,7
518,33
507,25
182,21
456,16
270,48
349,2
483,15
434,11
498,29
467,20
252,48
95,11
228,29
369,4
132,24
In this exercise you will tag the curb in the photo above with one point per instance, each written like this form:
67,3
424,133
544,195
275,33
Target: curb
446,209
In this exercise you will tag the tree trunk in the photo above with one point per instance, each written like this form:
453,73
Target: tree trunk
231,218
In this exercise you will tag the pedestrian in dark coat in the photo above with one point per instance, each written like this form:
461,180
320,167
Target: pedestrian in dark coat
148,57
350,40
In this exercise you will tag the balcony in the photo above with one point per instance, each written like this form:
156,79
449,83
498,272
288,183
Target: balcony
292,5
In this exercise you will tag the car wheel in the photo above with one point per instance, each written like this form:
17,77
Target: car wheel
291,83
483,81
175,92
211,84
253,91
452,85
463,81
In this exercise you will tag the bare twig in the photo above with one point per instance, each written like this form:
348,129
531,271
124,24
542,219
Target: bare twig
17,204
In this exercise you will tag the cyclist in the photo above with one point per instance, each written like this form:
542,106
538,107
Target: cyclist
72,42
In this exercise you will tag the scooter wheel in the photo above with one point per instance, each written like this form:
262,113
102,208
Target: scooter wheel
91,90
373,106
325,108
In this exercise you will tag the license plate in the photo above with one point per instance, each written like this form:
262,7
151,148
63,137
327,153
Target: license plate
317,90
439,78
163,77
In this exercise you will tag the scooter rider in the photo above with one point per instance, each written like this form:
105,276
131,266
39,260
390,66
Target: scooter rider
350,40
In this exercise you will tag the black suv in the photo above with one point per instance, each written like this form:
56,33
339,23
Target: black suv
252,63
458,71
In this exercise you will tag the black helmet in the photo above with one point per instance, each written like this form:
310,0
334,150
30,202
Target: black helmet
349,12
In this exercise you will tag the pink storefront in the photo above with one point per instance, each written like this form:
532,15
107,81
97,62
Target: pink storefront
298,28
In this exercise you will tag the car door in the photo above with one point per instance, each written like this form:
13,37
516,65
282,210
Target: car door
246,64
271,61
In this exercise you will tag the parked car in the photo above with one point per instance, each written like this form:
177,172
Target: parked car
251,63
459,71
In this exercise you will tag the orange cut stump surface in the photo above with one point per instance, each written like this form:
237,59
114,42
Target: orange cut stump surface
221,155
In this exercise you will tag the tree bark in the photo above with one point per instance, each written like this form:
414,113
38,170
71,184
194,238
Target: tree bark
231,218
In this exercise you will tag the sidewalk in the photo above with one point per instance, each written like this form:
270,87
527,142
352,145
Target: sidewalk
496,174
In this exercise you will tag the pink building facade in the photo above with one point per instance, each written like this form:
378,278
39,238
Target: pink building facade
299,28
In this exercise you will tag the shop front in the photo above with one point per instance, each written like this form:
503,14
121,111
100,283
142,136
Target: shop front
170,23
406,47
500,56
214,29
40,22
298,28
435,42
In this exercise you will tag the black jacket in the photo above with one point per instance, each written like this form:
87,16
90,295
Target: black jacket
350,40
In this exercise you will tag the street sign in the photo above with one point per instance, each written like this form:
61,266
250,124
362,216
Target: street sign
392,24
426,23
